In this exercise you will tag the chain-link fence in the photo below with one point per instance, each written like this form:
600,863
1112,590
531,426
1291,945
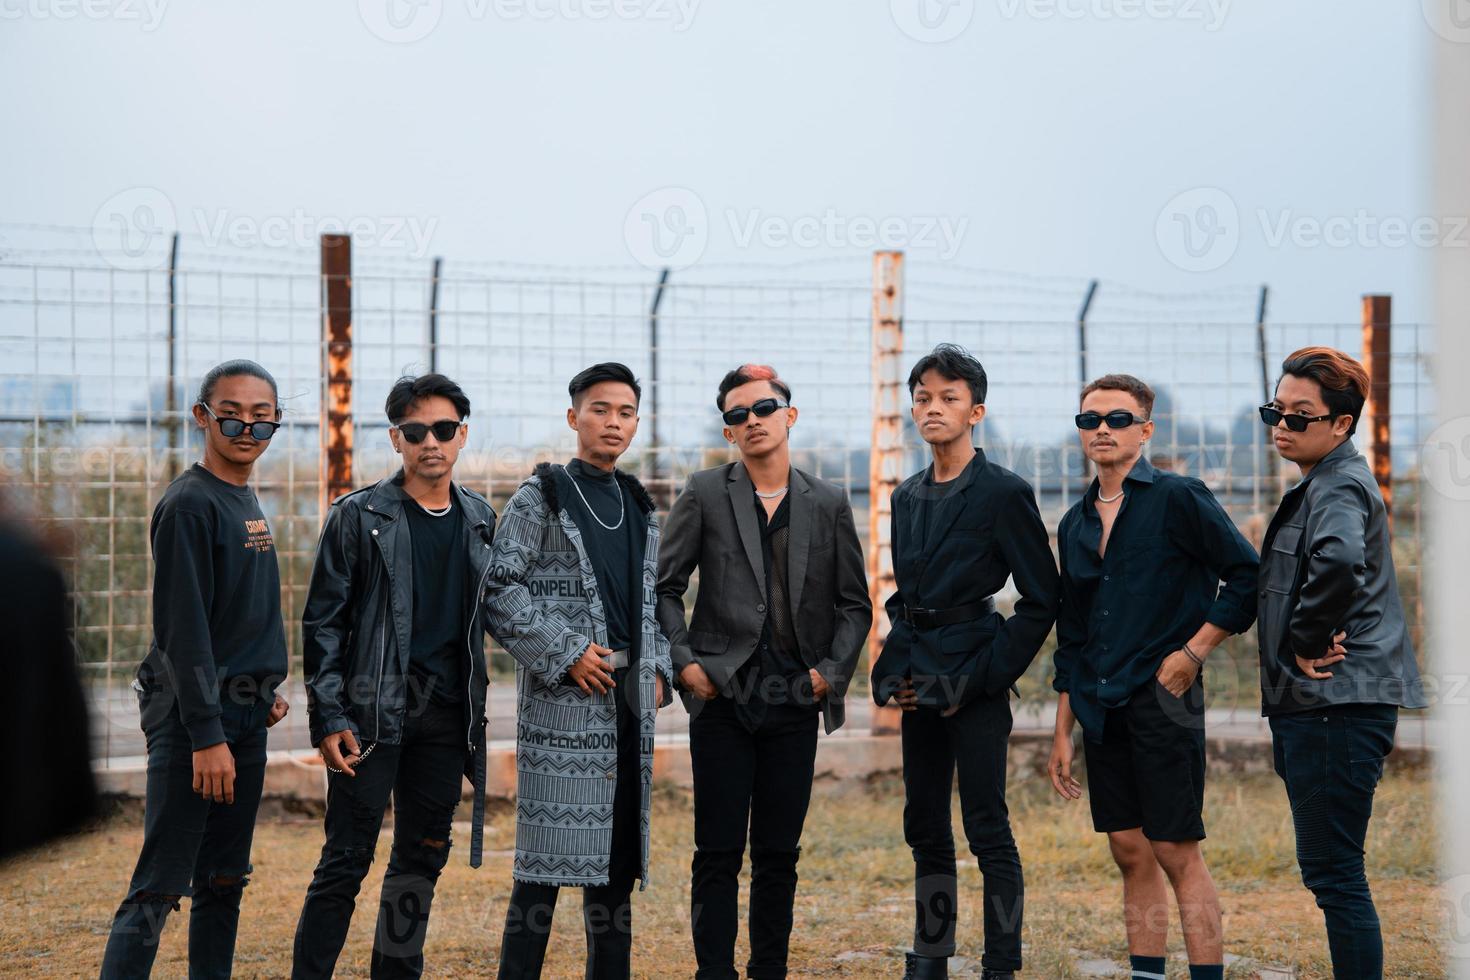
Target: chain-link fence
102,364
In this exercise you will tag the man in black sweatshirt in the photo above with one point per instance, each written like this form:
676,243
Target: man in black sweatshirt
206,692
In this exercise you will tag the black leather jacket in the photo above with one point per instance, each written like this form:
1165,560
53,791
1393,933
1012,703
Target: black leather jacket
357,624
1327,566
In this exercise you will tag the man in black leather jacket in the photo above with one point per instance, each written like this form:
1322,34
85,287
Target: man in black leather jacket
1336,659
394,651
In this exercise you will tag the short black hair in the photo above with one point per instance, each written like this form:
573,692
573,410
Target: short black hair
409,389
953,363
235,369
1127,384
744,375
598,373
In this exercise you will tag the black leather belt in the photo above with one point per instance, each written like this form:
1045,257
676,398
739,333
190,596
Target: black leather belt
928,619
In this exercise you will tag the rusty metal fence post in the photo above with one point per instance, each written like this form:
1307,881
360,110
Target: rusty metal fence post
336,422
1377,358
886,454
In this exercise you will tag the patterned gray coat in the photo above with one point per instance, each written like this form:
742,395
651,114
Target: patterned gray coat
543,605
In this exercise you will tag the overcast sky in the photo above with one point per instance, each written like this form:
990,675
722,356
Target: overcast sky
1164,144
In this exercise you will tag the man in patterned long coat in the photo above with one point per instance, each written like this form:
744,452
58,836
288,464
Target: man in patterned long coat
571,598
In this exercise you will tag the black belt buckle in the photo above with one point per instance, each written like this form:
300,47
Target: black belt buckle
922,619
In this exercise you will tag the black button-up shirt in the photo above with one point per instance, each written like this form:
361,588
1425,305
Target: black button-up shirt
1171,546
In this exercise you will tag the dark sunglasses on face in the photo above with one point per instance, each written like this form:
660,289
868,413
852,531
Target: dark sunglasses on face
1115,420
762,408
231,428
414,432
1272,416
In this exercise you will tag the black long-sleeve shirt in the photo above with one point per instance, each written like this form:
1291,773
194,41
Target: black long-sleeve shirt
1171,546
216,601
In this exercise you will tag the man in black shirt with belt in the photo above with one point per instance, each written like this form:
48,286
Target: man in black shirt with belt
1143,556
960,529
395,669
779,622
206,692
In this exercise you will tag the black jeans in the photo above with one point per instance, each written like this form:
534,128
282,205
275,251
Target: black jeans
424,774
1331,760
973,742
191,846
607,910
762,779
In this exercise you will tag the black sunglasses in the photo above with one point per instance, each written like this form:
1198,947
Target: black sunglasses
1296,423
231,428
1115,420
762,408
414,432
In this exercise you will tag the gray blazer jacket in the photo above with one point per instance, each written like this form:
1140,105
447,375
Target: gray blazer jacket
713,527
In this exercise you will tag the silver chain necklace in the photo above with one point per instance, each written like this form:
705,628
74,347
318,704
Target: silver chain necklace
1108,500
622,510
437,513
773,493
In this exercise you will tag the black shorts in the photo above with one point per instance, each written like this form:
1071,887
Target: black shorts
1149,769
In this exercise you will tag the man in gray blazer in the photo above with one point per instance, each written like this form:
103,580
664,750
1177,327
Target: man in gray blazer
779,621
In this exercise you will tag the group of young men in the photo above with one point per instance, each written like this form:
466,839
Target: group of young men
581,586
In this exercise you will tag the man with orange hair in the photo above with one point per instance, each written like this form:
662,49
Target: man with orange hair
1336,659
772,646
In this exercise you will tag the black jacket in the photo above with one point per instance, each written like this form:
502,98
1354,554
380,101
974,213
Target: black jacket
357,624
713,527
987,529
1327,566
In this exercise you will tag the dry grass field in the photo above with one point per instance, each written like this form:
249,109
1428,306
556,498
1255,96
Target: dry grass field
853,912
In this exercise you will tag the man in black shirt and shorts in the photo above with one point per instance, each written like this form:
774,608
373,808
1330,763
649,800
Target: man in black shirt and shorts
206,692
1143,555
395,670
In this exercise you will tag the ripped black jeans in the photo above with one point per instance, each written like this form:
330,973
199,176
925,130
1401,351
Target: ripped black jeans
424,775
191,846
